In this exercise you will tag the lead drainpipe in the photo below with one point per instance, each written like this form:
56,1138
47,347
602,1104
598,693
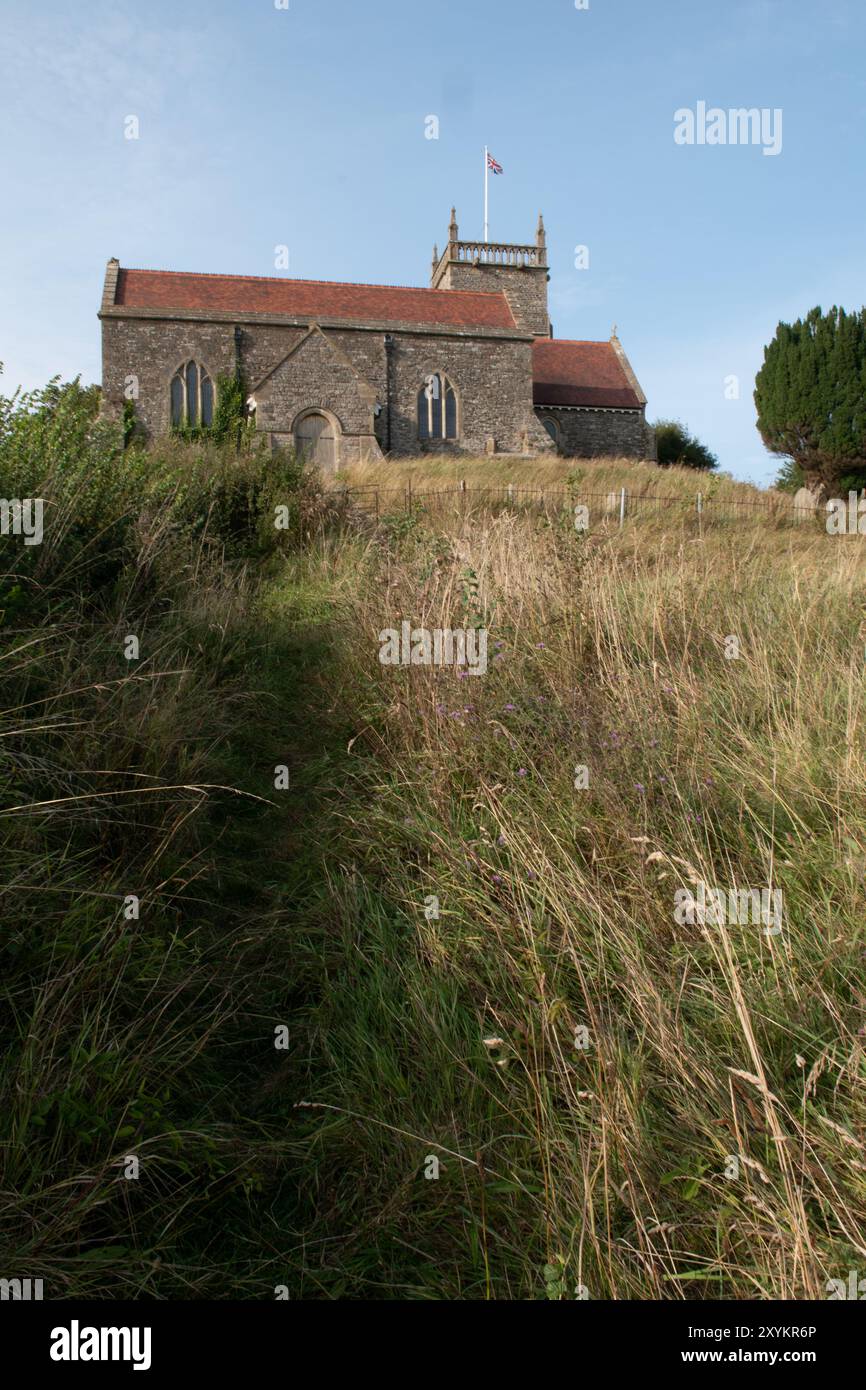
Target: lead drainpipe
389,351
239,342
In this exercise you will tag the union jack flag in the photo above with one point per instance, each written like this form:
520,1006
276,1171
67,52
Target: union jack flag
492,164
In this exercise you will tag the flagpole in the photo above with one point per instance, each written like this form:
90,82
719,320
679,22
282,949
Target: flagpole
485,194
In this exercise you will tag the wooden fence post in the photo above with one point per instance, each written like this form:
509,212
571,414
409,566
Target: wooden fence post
622,506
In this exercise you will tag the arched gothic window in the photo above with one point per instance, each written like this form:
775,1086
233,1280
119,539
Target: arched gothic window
437,409
552,427
192,397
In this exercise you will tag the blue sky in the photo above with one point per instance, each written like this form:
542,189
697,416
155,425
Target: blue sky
305,127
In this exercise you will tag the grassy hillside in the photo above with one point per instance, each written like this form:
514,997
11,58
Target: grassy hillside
598,475
617,1105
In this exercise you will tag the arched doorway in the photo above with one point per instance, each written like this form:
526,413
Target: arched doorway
316,440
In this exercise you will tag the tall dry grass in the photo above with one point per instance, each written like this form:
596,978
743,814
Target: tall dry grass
599,475
708,1140
476,961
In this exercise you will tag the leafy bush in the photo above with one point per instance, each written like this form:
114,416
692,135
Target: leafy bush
229,416
104,494
233,497
675,445
53,446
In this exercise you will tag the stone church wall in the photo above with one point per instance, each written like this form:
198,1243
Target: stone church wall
491,375
587,432
152,350
493,381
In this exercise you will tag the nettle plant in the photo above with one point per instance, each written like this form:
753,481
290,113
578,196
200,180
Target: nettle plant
471,600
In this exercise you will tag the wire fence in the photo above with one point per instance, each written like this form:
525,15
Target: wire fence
613,507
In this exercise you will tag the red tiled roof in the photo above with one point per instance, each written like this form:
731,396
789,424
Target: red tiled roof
575,373
311,299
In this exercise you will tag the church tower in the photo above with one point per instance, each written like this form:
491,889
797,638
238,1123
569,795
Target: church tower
518,270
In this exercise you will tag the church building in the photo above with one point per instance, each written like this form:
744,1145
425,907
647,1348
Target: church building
350,372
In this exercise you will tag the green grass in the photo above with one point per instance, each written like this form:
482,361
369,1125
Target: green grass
535,1092
606,1166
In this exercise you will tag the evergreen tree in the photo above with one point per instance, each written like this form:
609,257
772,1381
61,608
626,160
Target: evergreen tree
810,396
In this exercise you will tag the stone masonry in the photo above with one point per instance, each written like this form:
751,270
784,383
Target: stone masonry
467,366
